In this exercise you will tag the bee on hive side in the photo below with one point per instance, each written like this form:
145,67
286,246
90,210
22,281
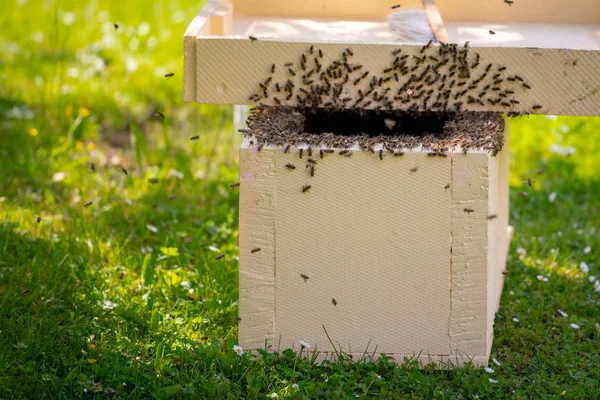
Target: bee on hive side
290,166
334,302
396,6
305,188
321,153
381,155
256,250
492,216
301,153
398,153
169,75
414,169
234,185
492,32
447,186
507,272
509,2
305,277
526,86
536,106
252,38
469,210
273,68
348,155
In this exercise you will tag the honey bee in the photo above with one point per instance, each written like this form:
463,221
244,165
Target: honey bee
437,153
252,38
287,148
398,153
492,216
305,188
507,272
220,256
159,114
509,2
169,75
290,166
288,64
334,302
89,203
312,171
524,195
93,167
38,219
525,85
469,210
234,185
301,153
447,186
396,6
292,72
414,169
172,197
122,275
153,181
492,32
123,170
321,153
195,137
536,106
305,277
381,155
256,250
116,26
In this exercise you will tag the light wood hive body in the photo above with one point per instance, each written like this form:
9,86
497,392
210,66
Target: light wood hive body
413,274
410,270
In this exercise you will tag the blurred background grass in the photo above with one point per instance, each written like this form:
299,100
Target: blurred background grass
124,297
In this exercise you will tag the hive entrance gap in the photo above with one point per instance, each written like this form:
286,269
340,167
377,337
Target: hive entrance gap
373,123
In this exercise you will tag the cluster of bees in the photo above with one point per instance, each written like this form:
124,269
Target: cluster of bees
442,78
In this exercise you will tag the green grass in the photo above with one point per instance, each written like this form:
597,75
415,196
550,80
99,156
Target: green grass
91,306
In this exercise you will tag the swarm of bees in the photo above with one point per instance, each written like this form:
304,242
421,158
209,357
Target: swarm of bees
439,78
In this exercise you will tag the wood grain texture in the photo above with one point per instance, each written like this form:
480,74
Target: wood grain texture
469,293
229,70
257,230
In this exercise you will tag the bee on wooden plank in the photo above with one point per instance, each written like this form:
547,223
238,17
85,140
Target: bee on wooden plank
447,186
252,38
305,188
469,210
305,277
395,6
509,2
290,166
301,153
492,216
536,106
492,32
234,185
334,302
414,169
256,250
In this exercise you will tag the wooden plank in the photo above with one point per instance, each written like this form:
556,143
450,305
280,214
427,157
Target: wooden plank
536,11
540,11
435,21
257,230
229,70
358,235
469,288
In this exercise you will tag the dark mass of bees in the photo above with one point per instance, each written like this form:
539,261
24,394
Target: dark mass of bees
441,77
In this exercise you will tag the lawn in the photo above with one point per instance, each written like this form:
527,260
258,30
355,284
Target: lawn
123,298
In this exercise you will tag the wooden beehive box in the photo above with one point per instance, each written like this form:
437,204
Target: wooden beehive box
389,238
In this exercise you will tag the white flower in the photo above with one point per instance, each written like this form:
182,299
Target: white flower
85,390
151,228
492,380
562,313
273,395
238,349
378,376
587,250
584,267
597,286
515,319
592,278
542,278
58,177
496,362
574,326
489,370
296,387
304,345
552,197
521,252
